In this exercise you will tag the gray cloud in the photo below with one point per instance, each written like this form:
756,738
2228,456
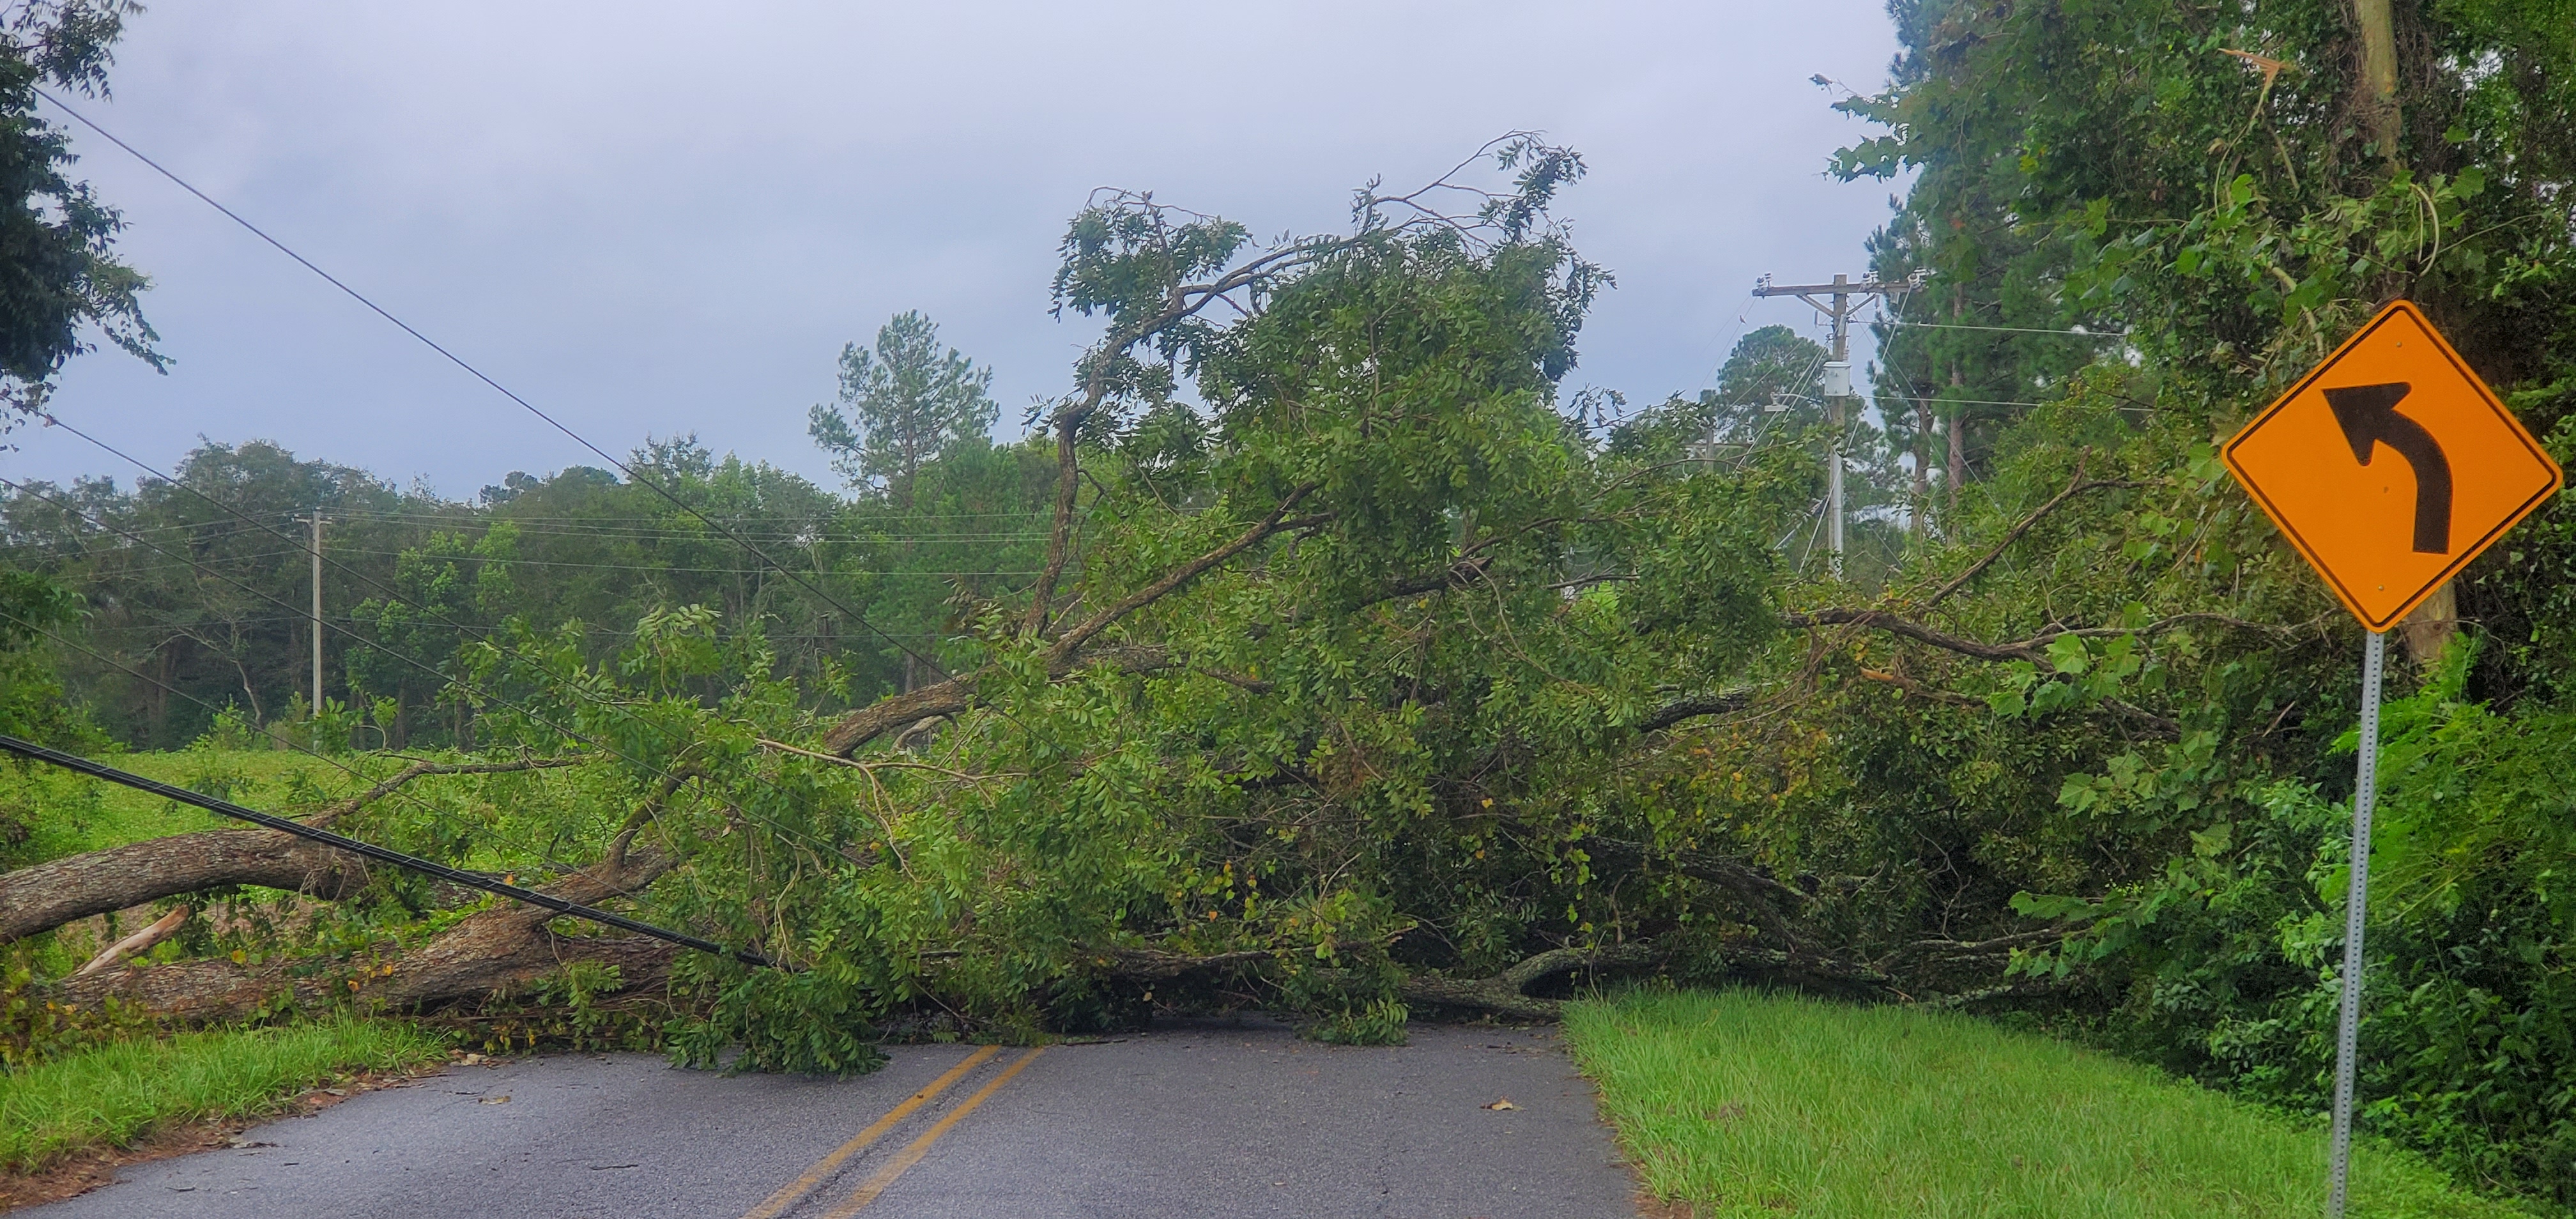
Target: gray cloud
650,218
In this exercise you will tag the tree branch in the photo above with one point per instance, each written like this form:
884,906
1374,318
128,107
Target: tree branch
139,942
1073,640
1507,993
1692,708
333,812
2074,488
1883,620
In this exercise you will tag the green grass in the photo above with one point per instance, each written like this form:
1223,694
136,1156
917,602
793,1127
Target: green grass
115,1094
66,814
1756,1105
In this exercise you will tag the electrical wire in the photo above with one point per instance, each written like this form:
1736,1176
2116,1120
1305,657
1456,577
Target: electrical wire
2089,334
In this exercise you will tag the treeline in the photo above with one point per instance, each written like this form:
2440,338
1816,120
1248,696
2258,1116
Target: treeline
195,592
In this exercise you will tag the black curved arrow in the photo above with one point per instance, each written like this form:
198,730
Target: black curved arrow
2369,417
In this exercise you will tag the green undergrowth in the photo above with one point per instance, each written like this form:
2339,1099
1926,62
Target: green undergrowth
1747,1104
47,814
116,1094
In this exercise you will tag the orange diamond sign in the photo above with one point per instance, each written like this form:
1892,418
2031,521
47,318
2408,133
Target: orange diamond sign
2390,466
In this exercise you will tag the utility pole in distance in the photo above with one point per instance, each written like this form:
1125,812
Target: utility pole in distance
1835,300
316,521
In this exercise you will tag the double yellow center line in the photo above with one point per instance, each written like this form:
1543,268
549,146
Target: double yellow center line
807,1182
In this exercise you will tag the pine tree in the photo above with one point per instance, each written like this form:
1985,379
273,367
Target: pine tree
907,403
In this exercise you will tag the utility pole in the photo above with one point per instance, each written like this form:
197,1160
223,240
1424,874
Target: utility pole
316,521
1835,300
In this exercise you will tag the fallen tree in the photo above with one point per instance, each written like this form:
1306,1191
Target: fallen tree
1382,653
501,949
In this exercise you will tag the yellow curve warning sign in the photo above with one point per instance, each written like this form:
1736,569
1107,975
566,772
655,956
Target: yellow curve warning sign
2391,465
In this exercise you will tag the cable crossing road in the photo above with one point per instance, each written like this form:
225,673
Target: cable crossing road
1203,1120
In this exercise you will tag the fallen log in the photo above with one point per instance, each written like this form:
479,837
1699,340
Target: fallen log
1507,993
501,949
1504,994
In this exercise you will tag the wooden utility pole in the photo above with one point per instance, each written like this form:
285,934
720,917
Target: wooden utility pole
1835,300
315,520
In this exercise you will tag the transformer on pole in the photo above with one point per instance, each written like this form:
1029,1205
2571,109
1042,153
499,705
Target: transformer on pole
1835,300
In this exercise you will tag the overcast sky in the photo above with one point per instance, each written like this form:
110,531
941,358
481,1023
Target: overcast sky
651,218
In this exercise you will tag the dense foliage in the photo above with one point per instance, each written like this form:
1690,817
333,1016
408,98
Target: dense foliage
2216,184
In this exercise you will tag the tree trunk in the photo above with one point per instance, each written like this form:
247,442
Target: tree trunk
48,895
1958,476
207,991
2379,78
2427,630
503,948
1922,468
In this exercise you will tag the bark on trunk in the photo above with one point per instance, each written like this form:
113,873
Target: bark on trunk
2379,79
48,895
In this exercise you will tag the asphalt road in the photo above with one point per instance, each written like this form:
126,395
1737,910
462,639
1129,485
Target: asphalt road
1202,1121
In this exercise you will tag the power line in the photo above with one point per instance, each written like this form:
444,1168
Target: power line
707,571
2090,334
1964,401
478,374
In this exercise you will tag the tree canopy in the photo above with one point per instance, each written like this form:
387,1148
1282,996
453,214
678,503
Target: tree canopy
57,270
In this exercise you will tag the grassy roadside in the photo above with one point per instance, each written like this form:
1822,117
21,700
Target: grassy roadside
1746,1104
114,1094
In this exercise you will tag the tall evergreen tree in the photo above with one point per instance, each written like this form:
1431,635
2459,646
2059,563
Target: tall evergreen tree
907,404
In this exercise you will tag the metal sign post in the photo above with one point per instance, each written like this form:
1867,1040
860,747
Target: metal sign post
2365,794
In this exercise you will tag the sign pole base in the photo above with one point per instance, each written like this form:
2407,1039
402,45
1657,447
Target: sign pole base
2355,907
